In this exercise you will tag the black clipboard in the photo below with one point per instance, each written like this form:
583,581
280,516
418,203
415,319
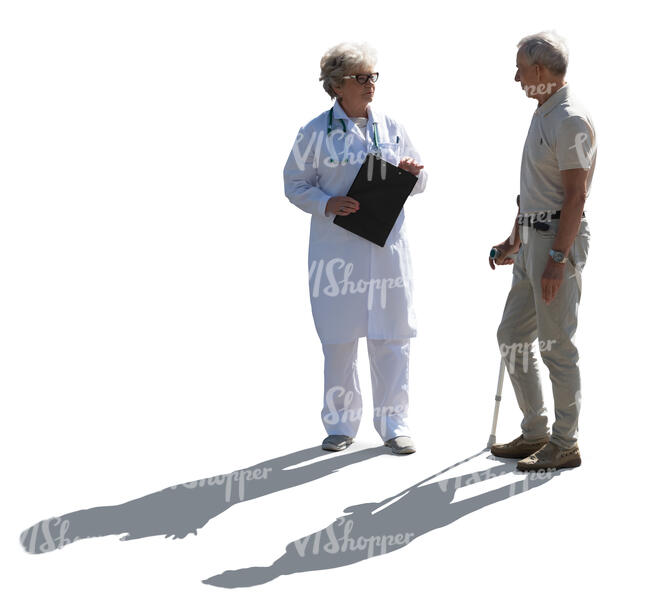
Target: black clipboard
381,189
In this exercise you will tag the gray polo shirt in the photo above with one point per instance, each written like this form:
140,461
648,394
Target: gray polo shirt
561,136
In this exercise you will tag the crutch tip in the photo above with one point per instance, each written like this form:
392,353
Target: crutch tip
492,440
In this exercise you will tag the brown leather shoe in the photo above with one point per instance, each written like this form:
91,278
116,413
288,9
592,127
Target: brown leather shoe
550,457
518,448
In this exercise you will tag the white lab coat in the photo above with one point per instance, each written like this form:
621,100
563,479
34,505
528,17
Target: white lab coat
356,288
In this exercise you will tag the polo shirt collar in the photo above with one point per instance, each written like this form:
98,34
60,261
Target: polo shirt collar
554,100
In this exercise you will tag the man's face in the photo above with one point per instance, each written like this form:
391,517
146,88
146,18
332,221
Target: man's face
527,75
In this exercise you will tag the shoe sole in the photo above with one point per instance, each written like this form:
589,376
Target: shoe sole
576,462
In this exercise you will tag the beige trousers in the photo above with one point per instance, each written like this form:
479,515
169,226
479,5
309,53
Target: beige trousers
527,318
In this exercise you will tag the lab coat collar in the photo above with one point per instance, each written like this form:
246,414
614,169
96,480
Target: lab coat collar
339,113
554,100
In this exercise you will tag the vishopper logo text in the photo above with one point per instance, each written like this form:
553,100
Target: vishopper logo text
535,217
314,148
54,533
532,217
539,89
525,348
584,151
226,480
345,414
344,542
345,285
476,477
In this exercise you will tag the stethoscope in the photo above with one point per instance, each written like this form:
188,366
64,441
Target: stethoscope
375,136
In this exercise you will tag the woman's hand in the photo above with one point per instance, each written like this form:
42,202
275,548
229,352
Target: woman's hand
342,205
506,249
410,165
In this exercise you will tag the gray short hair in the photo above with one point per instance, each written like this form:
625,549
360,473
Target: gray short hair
547,49
341,60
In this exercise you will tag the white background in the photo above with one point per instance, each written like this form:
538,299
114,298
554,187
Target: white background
155,319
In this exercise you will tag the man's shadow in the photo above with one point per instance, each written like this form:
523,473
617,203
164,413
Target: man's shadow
180,509
378,528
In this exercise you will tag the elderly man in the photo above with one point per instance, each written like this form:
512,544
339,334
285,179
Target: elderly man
548,248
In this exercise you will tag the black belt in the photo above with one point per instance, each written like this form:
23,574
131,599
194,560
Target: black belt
537,222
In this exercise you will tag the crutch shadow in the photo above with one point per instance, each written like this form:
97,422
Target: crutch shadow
180,509
374,529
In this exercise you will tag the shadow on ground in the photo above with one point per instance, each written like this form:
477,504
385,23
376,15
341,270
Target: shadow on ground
372,529
185,508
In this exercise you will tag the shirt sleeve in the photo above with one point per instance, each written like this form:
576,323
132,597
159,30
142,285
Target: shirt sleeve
576,144
301,176
410,151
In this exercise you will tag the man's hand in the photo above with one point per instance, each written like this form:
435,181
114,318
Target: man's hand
342,205
410,165
552,279
506,249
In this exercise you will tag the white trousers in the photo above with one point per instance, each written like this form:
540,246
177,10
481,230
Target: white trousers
389,370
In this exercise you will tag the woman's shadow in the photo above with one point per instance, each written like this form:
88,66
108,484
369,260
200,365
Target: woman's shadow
180,509
378,528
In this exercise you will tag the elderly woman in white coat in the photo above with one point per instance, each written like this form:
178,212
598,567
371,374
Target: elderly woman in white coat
357,288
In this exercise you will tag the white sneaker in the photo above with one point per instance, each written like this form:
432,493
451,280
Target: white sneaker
337,442
401,445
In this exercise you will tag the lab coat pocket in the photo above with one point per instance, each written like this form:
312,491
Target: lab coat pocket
390,152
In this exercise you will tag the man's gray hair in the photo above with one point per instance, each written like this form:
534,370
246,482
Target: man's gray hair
344,59
547,49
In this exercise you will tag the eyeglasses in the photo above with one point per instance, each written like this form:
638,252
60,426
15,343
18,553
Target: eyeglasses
362,79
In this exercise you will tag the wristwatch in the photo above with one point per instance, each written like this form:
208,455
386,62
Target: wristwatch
558,256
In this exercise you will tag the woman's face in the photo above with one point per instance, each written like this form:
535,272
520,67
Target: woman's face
354,93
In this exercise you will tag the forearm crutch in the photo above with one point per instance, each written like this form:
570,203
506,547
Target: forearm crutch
497,402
